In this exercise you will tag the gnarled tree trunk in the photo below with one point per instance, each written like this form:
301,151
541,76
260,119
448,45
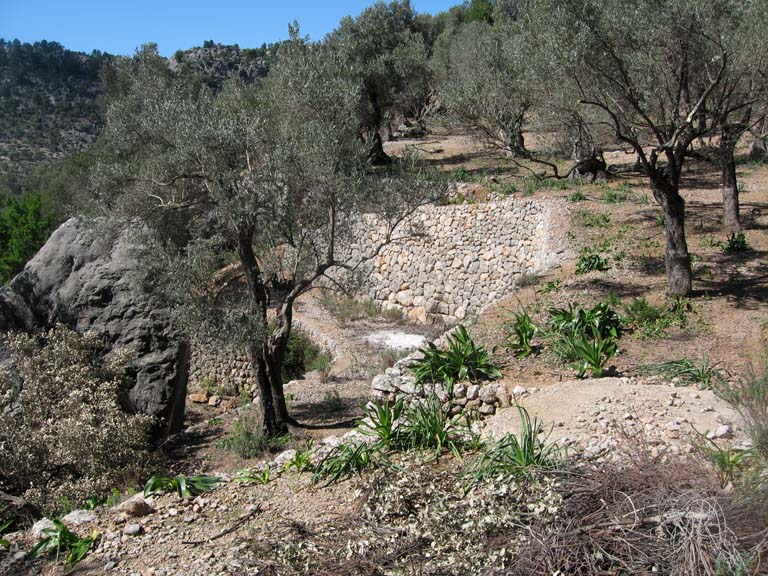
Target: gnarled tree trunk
678,260
730,187
759,149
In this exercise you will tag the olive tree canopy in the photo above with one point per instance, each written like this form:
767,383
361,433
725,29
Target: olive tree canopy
249,194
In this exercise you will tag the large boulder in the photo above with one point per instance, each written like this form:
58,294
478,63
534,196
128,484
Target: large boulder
88,283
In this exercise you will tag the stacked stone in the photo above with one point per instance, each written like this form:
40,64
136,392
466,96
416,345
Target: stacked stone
462,258
398,383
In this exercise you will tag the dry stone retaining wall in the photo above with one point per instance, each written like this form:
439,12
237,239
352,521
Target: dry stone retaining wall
463,258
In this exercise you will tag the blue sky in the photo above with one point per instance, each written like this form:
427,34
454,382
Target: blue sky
120,26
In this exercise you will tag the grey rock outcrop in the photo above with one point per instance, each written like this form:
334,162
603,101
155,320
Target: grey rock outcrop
86,283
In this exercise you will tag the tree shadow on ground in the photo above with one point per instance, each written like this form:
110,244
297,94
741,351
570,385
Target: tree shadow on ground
619,288
746,292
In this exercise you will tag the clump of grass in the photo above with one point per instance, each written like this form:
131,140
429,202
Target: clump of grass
184,486
4,543
736,242
688,371
246,440
347,309
516,455
549,286
427,425
390,356
63,541
576,196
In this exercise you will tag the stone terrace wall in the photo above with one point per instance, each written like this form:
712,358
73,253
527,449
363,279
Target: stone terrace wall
466,257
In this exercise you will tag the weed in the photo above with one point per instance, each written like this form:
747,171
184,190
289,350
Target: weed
729,462
63,540
737,242
390,356
515,455
576,196
593,354
688,371
614,196
246,440
214,421
302,460
249,476
653,321
589,219
4,543
185,487
381,421
427,425
344,461
461,360
523,331
742,187
591,262
321,363
599,321
549,286
461,174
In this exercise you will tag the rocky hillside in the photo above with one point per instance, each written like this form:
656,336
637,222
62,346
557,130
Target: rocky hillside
47,104
49,96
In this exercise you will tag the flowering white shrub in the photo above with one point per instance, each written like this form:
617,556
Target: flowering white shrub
64,434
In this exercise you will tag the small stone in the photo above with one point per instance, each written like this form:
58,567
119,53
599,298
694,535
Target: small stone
214,401
723,431
77,517
199,398
473,391
674,426
136,506
487,409
133,529
488,394
519,391
628,416
40,526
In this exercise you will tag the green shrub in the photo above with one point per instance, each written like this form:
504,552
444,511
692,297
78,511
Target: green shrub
591,262
513,455
461,360
321,363
736,242
185,487
614,196
65,434
300,354
302,459
523,332
576,196
3,527
24,228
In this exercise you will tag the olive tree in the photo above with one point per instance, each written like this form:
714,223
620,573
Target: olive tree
648,68
386,51
249,196
736,106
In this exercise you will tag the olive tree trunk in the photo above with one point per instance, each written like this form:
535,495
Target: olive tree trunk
729,186
759,151
273,417
677,258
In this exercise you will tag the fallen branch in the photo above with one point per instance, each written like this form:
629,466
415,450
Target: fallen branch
229,530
